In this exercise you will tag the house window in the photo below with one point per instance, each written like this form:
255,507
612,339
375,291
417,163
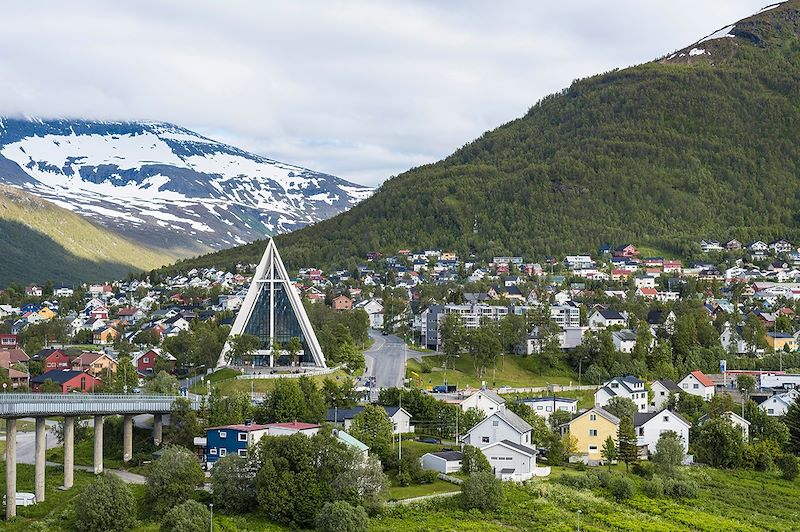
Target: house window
549,408
695,386
243,453
213,451
593,448
495,423
223,451
661,394
685,386
592,417
666,418
485,439
614,385
242,436
641,431
592,432
223,434
770,411
145,360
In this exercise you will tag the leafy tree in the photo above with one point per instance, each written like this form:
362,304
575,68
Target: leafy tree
609,451
189,516
669,453
343,394
314,401
754,333
789,466
284,403
125,379
689,406
453,335
474,461
470,418
243,347
233,483
484,347
172,478
621,407
373,427
747,383
718,443
626,438
340,516
229,410
559,417
294,347
105,505
183,424
792,421
48,386
162,383
482,491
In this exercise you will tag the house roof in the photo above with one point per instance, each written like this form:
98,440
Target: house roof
349,440
13,355
669,385
514,420
240,427
702,378
491,395
87,357
640,418
342,414
519,447
549,400
450,456
56,375
611,314
599,411
296,425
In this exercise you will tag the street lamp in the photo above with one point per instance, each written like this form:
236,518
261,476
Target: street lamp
743,392
211,507
579,520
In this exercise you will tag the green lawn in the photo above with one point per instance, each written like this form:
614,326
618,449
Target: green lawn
512,370
731,501
227,383
112,450
407,492
585,397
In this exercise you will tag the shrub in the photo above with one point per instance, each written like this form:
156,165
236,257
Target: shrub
669,453
427,477
189,516
622,488
474,461
233,483
653,488
604,478
680,489
425,367
172,478
789,466
105,505
643,469
482,491
342,517
580,482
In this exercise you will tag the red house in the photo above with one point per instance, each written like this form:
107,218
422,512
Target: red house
8,341
53,359
146,362
100,313
627,250
69,380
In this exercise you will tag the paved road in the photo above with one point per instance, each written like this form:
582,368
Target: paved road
26,442
386,360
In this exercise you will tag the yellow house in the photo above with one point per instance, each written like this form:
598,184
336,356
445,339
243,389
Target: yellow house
106,336
779,340
591,429
46,314
96,364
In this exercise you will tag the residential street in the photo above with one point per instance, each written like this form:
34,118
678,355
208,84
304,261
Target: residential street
386,360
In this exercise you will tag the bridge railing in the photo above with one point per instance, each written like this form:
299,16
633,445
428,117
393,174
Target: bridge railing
55,404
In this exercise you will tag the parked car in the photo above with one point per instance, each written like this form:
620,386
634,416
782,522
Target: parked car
429,439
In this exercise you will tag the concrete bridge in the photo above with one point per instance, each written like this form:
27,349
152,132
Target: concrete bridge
69,406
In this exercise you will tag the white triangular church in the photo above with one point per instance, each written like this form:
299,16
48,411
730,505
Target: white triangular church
272,311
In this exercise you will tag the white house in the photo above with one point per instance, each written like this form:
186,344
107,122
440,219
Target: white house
624,340
697,383
485,400
778,404
650,425
662,390
544,406
444,462
732,341
287,429
627,386
400,418
604,318
374,308
502,425
512,461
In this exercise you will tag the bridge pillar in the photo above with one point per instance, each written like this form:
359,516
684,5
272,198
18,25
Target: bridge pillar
98,444
157,429
69,451
11,468
39,460
127,438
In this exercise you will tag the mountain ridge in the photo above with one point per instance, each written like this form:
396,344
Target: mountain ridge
663,154
164,185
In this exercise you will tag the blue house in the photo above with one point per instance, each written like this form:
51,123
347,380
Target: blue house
232,439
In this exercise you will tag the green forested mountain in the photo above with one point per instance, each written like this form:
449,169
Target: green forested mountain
702,143
41,242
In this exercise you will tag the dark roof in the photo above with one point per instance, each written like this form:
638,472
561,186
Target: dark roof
520,447
450,456
640,418
610,314
349,413
57,376
655,317
669,385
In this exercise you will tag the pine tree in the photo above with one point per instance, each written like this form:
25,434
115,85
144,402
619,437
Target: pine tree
609,451
626,436
792,421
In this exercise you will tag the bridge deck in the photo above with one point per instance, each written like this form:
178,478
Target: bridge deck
13,405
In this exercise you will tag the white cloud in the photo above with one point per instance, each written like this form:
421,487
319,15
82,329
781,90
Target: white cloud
360,89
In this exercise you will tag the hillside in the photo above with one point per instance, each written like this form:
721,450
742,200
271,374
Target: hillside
702,143
42,241
166,186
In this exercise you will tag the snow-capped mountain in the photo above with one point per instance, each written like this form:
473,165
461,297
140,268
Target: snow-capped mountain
164,185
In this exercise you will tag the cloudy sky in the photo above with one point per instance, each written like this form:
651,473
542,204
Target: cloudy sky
360,89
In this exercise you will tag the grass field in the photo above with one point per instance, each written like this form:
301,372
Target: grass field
407,492
512,370
227,383
729,501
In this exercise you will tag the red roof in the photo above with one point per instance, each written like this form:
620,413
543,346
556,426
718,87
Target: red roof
701,377
297,425
648,291
241,428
